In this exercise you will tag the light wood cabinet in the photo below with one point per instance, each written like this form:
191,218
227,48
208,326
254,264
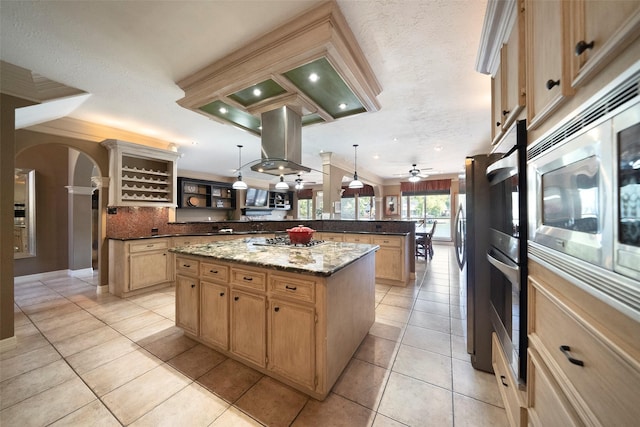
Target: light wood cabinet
513,397
594,363
141,175
548,82
214,314
600,31
392,261
187,302
512,63
497,101
357,238
139,265
249,326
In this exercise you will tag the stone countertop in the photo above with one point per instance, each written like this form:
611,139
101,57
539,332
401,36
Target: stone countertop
321,260
241,234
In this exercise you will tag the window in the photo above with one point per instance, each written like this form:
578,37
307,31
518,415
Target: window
426,208
305,209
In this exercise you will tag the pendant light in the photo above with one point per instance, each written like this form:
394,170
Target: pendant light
299,183
239,184
281,185
356,183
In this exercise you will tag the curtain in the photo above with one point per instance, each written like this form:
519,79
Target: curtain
305,193
367,190
433,186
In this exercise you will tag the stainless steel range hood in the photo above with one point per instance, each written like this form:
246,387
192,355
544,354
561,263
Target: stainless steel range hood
281,143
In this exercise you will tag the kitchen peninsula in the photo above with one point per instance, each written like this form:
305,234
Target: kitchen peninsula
294,313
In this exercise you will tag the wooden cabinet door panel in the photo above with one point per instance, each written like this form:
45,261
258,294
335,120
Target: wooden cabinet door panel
187,297
292,341
147,269
214,314
248,326
388,263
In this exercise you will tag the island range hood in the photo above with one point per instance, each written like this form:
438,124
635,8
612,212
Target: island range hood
281,143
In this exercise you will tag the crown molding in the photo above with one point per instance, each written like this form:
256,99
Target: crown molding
498,22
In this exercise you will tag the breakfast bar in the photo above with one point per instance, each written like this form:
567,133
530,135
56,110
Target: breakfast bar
296,313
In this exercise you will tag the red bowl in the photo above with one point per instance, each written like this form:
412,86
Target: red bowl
300,235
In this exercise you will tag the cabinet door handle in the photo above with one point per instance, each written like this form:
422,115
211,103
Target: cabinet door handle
213,271
150,246
236,298
552,83
566,350
582,46
502,379
186,265
248,279
276,309
164,254
505,112
291,288
221,294
193,285
498,124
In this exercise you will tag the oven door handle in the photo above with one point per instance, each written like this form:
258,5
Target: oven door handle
509,269
502,169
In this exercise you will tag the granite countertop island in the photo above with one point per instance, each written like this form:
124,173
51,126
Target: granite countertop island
323,259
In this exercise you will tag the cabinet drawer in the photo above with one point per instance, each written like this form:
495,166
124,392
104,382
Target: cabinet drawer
601,380
148,245
507,385
357,238
187,266
394,242
548,406
214,271
249,278
188,240
303,290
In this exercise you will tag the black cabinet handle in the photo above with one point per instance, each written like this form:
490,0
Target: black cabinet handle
236,298
193,285
291,288
221,294
552,83
276,309
565,349
498,124
186,265
505,112
502,379
213,271
582,46
248,279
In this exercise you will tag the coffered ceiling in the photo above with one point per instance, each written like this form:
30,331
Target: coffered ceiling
134,60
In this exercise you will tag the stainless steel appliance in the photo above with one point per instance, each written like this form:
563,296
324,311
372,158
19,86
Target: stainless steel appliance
507,252
472,237
584,210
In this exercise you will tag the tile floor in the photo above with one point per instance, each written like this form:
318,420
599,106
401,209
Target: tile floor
84,358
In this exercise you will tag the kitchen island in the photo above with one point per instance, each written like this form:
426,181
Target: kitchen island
296,314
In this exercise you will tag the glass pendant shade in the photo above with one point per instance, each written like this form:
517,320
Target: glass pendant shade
281,185
239,184
356,183
414,178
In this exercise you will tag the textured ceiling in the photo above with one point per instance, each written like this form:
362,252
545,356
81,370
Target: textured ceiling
129,55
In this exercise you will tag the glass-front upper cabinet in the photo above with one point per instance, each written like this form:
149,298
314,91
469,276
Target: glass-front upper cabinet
24,213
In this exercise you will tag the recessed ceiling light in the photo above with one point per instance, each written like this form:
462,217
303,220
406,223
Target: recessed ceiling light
313,77
223,110
281,167
342,106
395,139
260,170
257,92
438,147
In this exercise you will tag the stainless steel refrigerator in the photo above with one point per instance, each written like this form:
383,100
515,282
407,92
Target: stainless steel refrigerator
471,241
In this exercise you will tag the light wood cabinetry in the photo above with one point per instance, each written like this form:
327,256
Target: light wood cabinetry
513,397
592,361
286,325
600,31
330,237
141,175
138,265
497,101
512,63
357,238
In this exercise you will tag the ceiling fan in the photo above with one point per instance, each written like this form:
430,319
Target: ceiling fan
414,174
297,184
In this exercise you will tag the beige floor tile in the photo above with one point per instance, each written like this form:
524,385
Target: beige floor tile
379,296
362,383
20,318
424,365
458,327
382,421
428,339
91,298
167,310
234,417
476,384
432,307
398,300
33,382
389,312
334,411
430,321
25,344
87,340
458,312
378,351
433,296
131,324
68,319
192,406
416,403
60,310
73,330
383,288
459,348
117,311
196,361
140,395
468,412
26,362
170,346
48,406
272,403
153,331
151,301
91,358
387,329
117,372
433,286
46,305
95,414
230,379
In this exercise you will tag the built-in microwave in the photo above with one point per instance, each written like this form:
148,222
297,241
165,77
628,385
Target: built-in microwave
584,194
